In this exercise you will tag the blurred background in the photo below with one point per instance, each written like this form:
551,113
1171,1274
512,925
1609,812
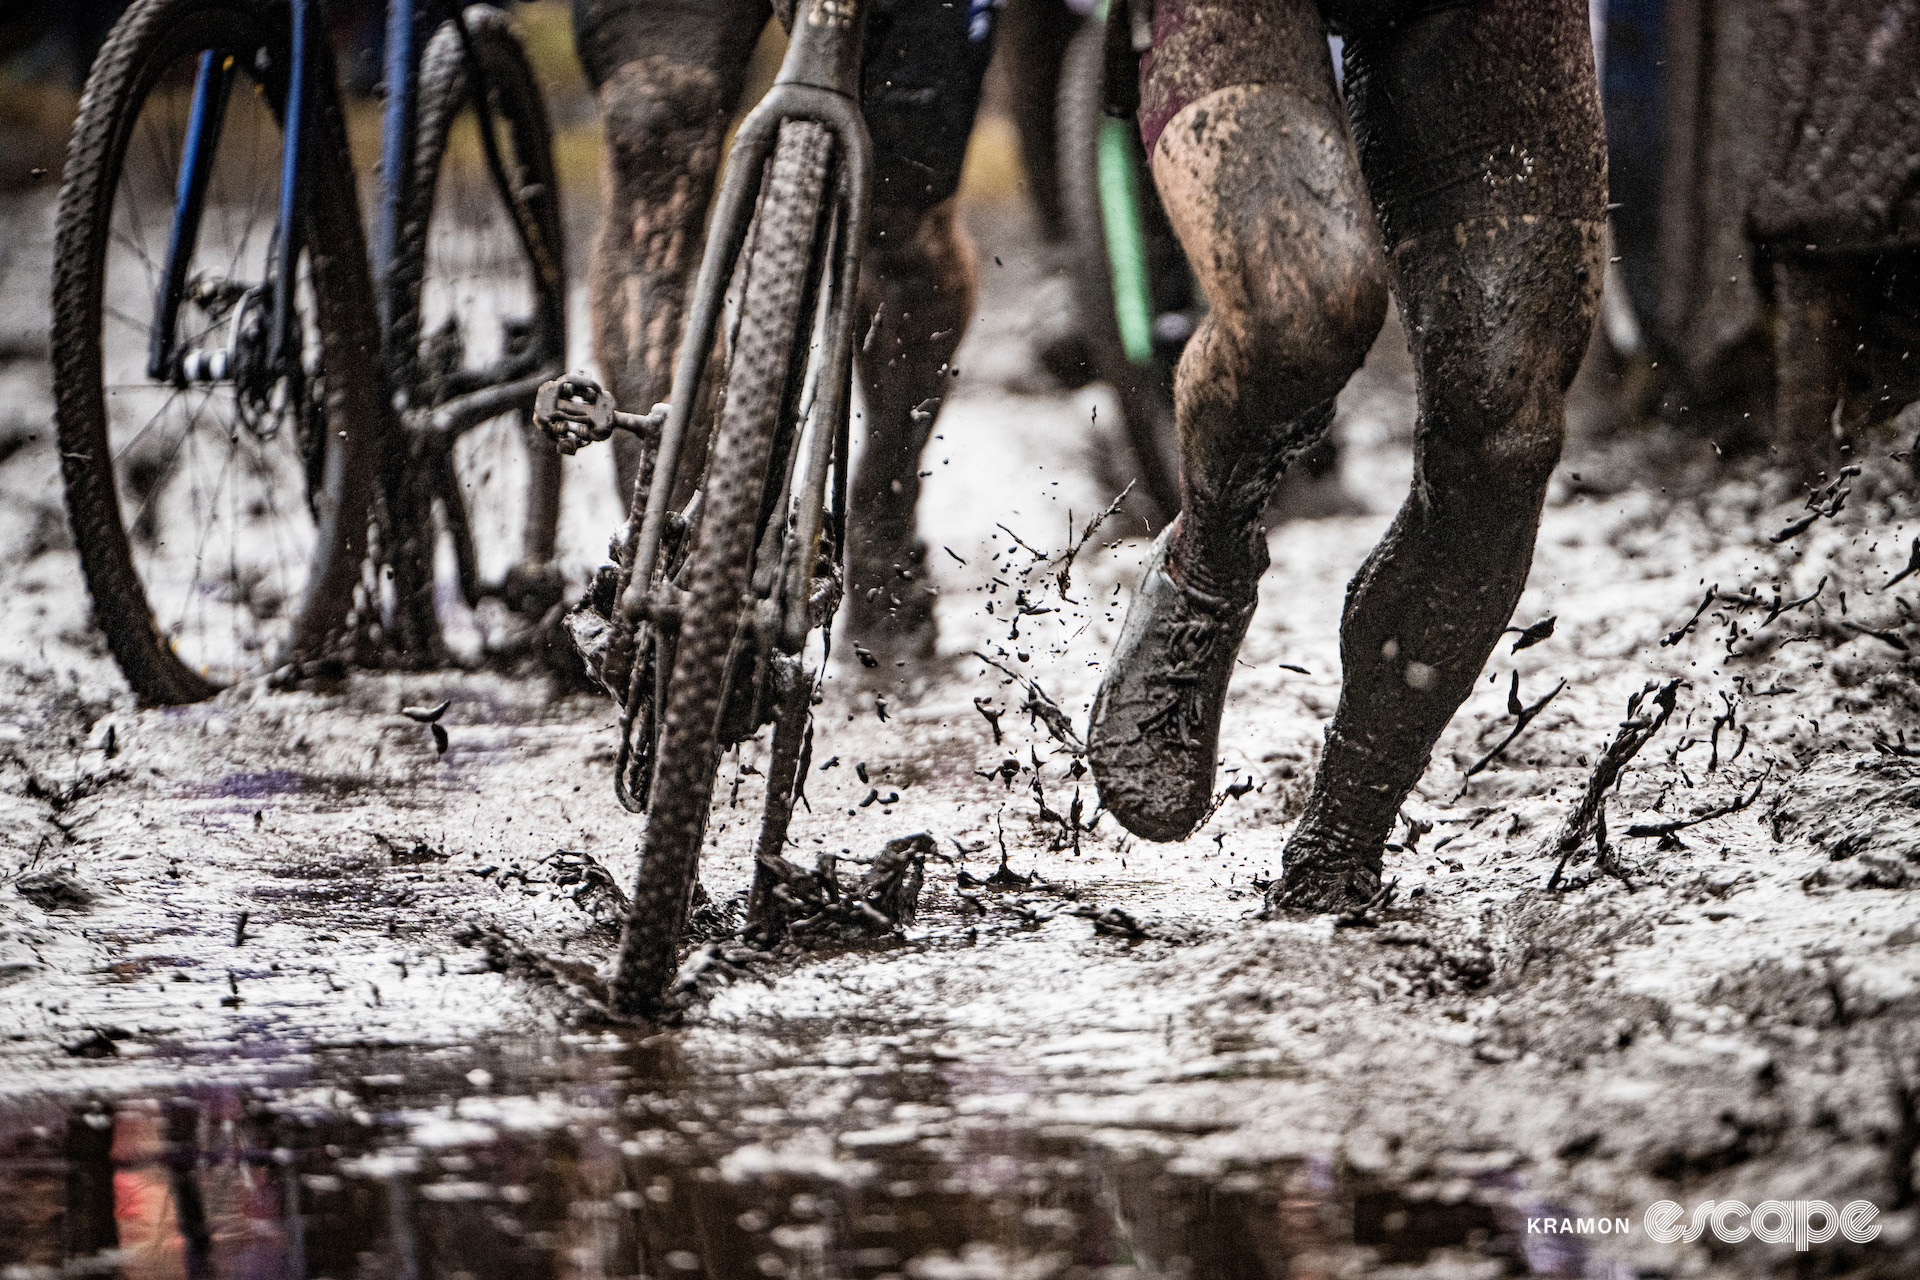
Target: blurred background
1765,172
47,46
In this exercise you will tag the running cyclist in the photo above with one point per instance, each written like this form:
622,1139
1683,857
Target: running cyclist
1465,172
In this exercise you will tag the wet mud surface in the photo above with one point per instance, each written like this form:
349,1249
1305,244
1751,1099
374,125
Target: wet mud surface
597,1156
278,957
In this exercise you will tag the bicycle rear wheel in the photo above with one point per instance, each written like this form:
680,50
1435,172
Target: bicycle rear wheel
478,299
772,337
220,521
1128,271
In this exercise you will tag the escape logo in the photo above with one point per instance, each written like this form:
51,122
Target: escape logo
1803,1223
1774,1221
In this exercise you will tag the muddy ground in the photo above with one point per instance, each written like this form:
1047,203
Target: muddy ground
276,956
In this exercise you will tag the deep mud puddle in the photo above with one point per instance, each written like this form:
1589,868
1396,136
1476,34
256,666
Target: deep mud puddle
590,1156
205,911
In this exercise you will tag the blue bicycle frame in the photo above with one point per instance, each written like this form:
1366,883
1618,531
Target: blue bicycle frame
211,87
408,25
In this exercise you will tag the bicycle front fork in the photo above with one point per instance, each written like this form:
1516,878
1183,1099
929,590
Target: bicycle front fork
212,87
819,81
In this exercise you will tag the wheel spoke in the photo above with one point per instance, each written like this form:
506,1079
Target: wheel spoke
476,277
204,520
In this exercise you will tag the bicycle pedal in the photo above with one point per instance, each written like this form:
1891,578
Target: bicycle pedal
576,411
573,412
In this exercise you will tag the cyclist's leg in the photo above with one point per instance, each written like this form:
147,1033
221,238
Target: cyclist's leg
1254,163
667,74
916,293
925,60
1034,36
1479,129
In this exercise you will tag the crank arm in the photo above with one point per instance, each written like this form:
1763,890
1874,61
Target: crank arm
447,422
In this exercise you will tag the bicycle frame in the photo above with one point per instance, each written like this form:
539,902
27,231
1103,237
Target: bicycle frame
409,24
819,81
405,43
213,84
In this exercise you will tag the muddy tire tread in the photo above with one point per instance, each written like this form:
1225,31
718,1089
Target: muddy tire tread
720,564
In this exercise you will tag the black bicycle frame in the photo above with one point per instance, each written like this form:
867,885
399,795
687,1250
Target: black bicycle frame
819,80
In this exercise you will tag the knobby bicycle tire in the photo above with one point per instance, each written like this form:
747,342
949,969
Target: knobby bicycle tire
1145,391
720,561
524,134
148,38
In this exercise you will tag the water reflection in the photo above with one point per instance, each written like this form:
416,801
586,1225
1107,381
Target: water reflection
598,1160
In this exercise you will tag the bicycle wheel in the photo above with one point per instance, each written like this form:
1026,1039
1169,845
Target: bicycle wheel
220,522
1127,268
478,298
719,566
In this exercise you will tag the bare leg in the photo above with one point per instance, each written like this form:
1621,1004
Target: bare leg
1261,183
916,292
667,74
1480,132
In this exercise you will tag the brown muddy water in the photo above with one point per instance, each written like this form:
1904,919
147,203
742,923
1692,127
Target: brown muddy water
597,1156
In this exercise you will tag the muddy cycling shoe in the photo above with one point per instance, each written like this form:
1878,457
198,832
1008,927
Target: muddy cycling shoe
890,600
1332,860
1328,864
1156,722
